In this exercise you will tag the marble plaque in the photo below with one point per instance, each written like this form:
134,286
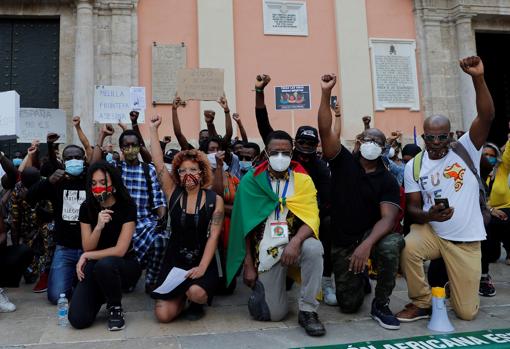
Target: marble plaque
166,61
395,80
285,18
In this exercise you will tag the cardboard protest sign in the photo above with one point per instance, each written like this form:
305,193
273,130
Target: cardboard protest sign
36,123
204,84
292,97
9,113
112,104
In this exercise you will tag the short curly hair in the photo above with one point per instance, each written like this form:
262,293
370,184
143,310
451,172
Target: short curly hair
198,157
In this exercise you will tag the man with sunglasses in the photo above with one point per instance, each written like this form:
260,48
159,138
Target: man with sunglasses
365,204
453,233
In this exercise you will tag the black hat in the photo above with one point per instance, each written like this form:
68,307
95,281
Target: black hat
307,132
411,150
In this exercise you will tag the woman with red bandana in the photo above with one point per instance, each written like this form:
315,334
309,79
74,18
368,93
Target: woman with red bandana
196,216
108,264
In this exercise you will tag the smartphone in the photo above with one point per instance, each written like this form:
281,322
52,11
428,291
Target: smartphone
333,101
443,201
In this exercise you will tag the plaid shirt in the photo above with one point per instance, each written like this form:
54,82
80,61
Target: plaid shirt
136,183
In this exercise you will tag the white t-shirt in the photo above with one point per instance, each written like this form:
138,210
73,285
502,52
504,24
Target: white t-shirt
451,178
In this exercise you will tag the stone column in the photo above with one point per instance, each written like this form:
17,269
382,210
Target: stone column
466,45
83,96
121,43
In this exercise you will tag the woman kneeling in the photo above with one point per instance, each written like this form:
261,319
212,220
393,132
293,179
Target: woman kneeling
108,264
196,216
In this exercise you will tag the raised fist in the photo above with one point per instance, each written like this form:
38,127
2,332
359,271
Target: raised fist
262,81
472,65
328,81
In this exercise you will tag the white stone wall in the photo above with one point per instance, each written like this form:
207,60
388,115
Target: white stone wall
446,33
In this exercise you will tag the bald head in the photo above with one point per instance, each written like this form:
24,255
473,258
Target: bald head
437,123
375,134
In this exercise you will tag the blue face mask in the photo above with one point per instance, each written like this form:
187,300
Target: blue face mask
245,165
492,160
74,167
17,161
109,157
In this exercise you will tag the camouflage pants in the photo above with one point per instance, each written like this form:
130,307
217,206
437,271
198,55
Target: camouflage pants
350,287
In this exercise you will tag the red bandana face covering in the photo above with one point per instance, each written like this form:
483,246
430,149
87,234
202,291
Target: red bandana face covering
102,193
190,181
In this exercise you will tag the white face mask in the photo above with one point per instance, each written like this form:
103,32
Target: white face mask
370,150
212,160
280,162
391,152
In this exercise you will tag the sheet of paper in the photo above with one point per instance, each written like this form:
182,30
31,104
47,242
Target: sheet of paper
137,98
175,277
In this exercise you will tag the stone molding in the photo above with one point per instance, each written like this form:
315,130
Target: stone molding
446,32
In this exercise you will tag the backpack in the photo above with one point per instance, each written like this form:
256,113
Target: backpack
459,149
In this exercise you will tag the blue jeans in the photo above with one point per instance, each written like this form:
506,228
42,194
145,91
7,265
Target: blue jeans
62,272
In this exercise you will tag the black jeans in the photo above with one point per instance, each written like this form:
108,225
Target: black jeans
103,283
325,238
14,260
498,232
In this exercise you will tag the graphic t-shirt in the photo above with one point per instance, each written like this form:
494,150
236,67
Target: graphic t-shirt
452,179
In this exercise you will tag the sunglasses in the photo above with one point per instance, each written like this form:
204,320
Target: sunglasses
307,142
432,138
183,171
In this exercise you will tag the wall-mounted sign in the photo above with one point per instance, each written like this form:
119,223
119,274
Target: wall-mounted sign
395,80
285,18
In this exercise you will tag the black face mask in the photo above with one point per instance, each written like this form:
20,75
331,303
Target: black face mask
299,154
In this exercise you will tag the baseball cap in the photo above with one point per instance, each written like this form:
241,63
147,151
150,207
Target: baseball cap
307,132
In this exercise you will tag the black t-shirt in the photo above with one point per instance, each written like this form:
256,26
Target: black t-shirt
66,198
122,213
319,171
357,197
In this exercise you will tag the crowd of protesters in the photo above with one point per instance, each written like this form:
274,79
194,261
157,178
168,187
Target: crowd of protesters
90,222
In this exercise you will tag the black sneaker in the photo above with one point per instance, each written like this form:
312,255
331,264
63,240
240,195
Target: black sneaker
310,322
194,312
115,318
486,287
383,315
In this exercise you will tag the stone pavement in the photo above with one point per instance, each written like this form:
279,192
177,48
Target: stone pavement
227,323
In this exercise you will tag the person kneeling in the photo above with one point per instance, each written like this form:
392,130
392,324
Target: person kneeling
108,265
274,229
196,216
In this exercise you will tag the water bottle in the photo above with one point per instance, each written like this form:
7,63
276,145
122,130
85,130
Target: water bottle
62,306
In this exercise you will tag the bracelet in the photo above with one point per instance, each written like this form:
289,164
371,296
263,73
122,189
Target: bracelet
338,115
227,111
492,209
259,90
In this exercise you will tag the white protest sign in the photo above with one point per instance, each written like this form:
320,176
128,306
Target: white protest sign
9,113
112,104
36,123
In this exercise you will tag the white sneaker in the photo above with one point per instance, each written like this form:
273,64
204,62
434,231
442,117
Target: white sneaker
328,292
6,306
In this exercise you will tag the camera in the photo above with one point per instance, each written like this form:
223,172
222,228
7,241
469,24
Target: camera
190,256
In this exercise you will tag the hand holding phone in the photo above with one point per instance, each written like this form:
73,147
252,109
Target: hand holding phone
444,201
332,102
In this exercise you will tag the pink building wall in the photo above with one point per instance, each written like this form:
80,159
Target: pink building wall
394,19
288,60
168,22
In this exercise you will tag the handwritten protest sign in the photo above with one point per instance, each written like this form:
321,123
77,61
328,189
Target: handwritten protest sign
204,84
9,113
36,123
112,104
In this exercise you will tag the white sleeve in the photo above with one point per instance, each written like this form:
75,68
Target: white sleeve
410,185
474,153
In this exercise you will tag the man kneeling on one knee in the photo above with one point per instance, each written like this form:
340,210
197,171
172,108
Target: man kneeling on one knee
274,228
365,206
449,229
